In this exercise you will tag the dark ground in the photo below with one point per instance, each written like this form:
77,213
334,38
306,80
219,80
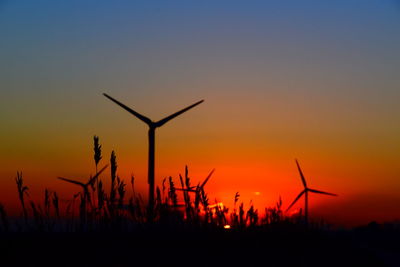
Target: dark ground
373,245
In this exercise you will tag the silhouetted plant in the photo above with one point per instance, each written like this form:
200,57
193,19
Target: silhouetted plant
38,217
97,157
46,203
22,191
55,201
242,221
185,189
204,199
133,185
165,199
121,191
234,215
101,195
113,162
220,213
274,215
252,216
97,151
172,192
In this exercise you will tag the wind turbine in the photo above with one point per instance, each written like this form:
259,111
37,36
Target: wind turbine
199,187
200,195
305,193
85,187
152,128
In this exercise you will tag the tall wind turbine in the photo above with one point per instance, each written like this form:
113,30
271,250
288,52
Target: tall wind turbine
152,128
305,193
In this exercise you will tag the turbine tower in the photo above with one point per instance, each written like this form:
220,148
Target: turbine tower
305,193
152,128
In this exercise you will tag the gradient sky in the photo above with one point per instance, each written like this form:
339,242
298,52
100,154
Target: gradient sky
313,80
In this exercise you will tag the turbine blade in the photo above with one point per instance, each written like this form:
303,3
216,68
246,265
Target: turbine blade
322,192
170,117
71,181
136,114
295,200
208,178
93,179
301,174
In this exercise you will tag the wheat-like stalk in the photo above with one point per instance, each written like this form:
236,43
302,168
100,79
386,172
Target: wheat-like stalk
22,191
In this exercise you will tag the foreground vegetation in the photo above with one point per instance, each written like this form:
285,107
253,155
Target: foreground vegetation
93,208
100,227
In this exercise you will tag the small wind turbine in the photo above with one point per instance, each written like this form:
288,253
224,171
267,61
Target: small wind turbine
152,128
199,187
85,186
85,197
305,193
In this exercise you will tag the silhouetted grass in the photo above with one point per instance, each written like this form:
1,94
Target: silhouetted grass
99,210
113,222
112,211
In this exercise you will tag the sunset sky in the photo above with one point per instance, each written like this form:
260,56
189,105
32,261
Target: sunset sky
313,80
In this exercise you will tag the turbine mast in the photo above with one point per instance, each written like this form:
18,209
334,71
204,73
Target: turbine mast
151,167
306,208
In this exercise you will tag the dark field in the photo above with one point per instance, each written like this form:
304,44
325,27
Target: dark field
288,245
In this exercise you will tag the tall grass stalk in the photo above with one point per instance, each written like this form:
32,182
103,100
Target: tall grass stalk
22,191
97,157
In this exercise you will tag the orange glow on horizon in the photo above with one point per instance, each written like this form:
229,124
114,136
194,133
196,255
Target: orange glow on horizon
256,162
268,182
